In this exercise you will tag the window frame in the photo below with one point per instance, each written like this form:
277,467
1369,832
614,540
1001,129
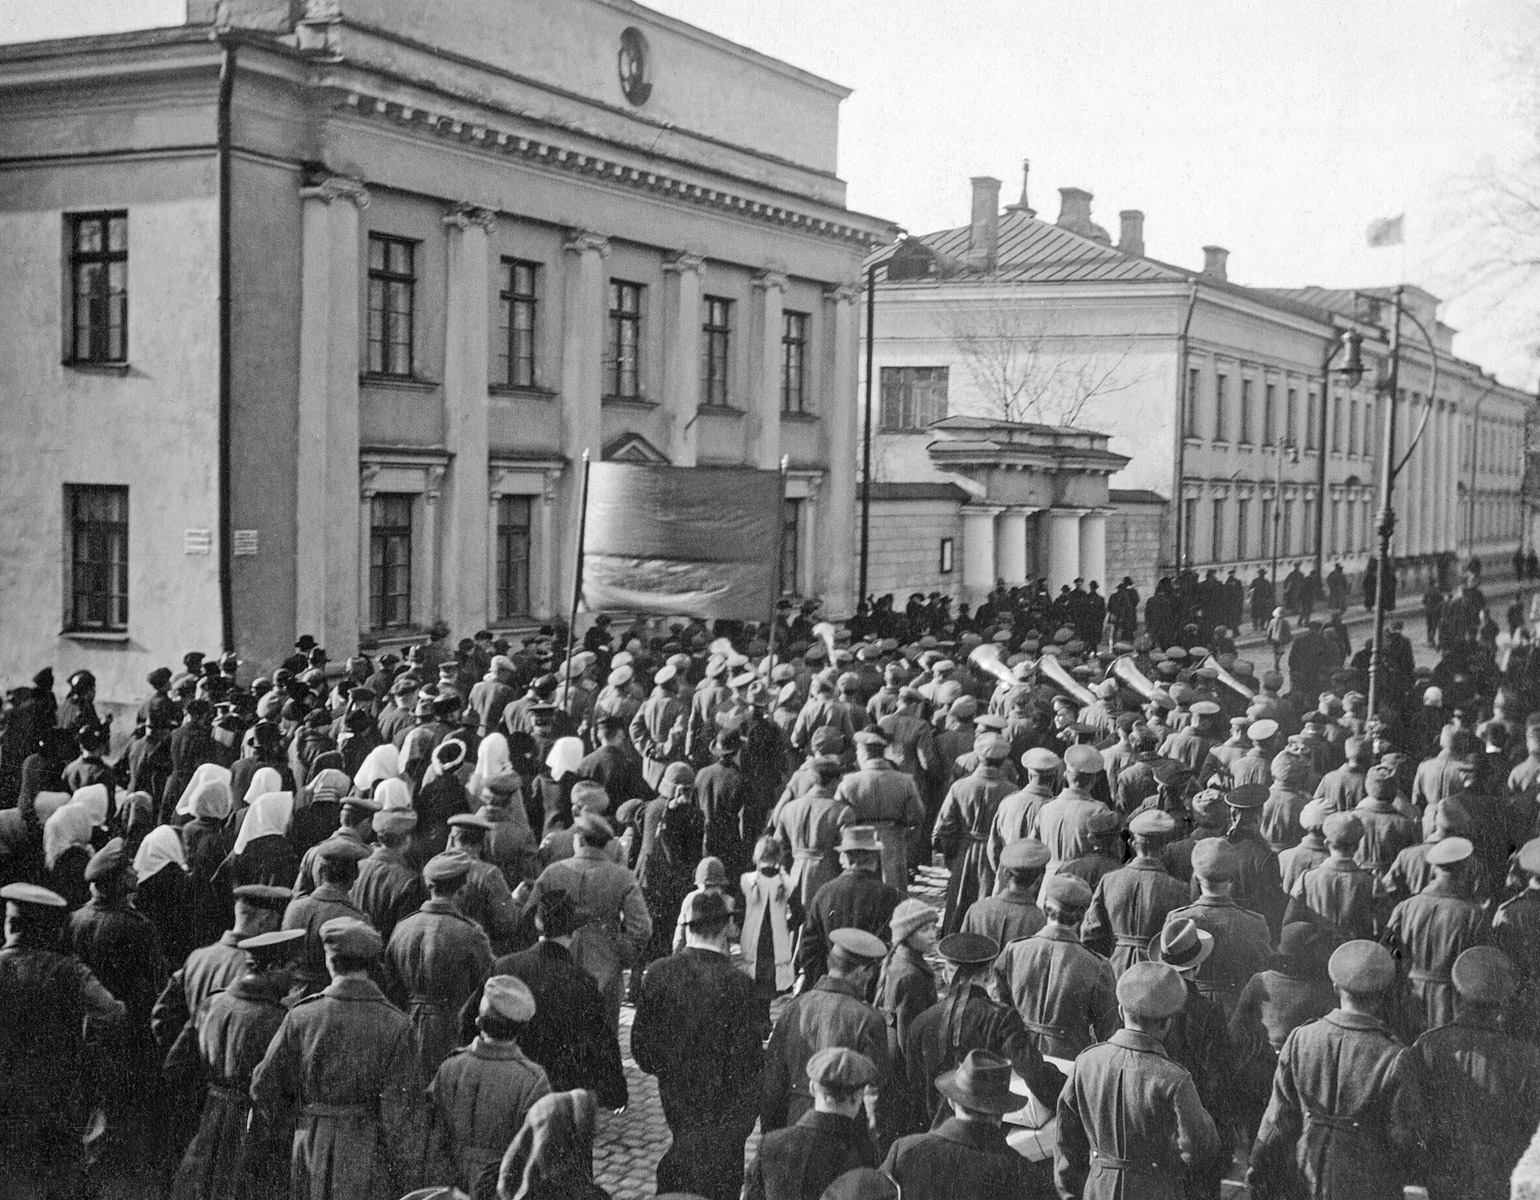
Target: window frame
383,536
1291,417
716,351
1194,382
898,394
1242,516
1217,531
1243,423
1269,413
109,570
795,331
506,592
791,546
623,330
391,283
1221,420
512,302
99,304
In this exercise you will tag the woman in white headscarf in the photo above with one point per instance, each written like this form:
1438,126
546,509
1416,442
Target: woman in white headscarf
206,843
393,793
554,783
384,762
492,761
264,782
263,852
96,800
207,773
67,850
166,894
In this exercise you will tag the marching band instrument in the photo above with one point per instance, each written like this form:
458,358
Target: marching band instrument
1229,680
1050,669
987,659
1125,672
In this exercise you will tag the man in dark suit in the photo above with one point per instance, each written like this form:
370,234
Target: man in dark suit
829,1139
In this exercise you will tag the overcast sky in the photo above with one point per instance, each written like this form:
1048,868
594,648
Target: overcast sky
1277,130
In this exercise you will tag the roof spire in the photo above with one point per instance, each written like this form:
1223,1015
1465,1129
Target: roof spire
1021,205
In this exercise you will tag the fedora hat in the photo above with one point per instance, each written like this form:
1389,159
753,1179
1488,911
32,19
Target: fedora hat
859,837
1182,945
982,1083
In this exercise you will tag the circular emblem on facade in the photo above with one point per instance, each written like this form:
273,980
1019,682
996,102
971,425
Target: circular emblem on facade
635,66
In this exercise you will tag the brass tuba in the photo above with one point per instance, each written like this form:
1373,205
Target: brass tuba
1229,680
987,659
1125,672
1050,669
825,630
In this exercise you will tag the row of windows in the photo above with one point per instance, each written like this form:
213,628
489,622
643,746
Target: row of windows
1284,531
1236,416
98,247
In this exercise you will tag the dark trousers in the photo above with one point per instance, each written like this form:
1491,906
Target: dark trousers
706,1156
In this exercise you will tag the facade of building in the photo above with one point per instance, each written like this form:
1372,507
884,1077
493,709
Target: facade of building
314,313
1227,401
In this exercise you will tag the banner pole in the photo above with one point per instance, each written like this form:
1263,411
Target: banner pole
577,586
780,546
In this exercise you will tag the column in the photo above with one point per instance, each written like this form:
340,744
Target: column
427,577
365,496
1011,546
1093,548
582,355
978,550
1062,529
464,578
840,411
1412,495
812,565
1450,477
331,595
681,354
764,419
544,597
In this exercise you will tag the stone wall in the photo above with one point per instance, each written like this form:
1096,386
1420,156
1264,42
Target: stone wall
905,553
1133,547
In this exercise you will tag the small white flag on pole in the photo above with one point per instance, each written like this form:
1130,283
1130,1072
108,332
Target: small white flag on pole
1386,231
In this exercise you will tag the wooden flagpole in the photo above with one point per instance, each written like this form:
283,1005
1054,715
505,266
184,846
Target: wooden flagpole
780,546
577,587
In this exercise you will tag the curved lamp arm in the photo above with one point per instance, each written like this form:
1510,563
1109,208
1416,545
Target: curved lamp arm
1411,446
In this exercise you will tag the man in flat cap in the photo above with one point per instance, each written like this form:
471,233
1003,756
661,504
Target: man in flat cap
1129,906
1191,746
1242,942
967,1019
1063,824
336,871
1064,992
481,1092
389,888
1105,853
1016,815
911,738
1338,895
231,1155
810,825
1012,912
1255,765
569,1035
259,909
122,948
45,994
436,959
835,1011
879,794
615,764
1257,883
829,1139
1387,831
967,1154
485,898
342,1072
906,985
1433,928
355,824
963,827
658,728
1516,931
1482,1083
1130,1120
1347,1116
698,1028
855,898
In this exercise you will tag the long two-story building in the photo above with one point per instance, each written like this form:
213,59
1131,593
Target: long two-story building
312,313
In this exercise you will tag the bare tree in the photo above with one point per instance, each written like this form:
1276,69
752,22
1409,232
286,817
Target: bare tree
1028,368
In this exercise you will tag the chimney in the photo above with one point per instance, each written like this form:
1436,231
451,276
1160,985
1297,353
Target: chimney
1214,258
984,228
1022,206
1075,210
1131,237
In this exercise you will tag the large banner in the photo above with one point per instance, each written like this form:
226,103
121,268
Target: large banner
698,542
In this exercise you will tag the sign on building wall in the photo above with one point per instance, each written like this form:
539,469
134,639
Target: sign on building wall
197,541
244,542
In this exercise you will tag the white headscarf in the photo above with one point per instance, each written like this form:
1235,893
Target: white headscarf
268,815
162,847
384,762
264,780
48,803
94,799
212,801
393,793
207,773
70,826
492,760
564,757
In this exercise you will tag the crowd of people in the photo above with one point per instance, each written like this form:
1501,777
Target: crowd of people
343,932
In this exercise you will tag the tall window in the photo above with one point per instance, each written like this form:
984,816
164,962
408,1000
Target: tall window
1352,426
913,397
1286,538
1217,534
518,312
1291,419
1245,415
392,303
1242,533
1221,386
1336,527
1336,424
390,560
513,539
1269,413
791,546
1312,422
1189,527
1307,533
716,350
1190,422
794,362
98,246
623,353
96,520
1268,514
